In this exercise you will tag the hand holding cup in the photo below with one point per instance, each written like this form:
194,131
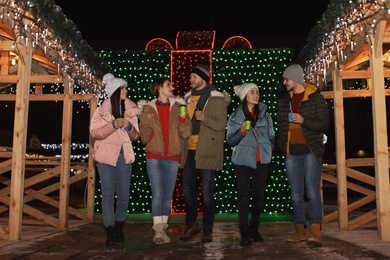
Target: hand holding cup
119,122
289,117
199,114
248,124
183,110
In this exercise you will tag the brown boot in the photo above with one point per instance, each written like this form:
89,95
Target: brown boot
191,230
315,235
299,235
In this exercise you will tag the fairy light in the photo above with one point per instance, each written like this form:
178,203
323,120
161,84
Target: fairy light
34,31
339,43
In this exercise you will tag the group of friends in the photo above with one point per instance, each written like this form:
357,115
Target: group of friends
189,132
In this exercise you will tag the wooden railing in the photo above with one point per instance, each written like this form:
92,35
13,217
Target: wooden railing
358,183
41,184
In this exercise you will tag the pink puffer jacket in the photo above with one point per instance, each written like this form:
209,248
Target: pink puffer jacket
108,140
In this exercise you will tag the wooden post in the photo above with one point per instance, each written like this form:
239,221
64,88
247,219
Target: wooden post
65,153
380,132
91,167
20,138
342,195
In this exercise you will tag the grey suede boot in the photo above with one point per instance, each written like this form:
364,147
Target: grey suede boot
166,238
158,238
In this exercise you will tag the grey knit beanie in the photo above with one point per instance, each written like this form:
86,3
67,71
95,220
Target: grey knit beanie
294,73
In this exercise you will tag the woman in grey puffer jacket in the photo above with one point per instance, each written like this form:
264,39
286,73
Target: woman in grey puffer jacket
251,155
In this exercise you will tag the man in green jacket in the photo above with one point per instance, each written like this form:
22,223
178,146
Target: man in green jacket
204,151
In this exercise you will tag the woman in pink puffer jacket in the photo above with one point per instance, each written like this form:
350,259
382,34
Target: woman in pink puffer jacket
114,126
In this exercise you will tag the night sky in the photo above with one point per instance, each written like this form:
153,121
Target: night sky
274,23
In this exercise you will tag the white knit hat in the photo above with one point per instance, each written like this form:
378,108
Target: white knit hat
243,89
111,83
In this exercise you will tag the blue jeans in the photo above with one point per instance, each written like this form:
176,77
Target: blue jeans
304,173
162,176
115,180
190,176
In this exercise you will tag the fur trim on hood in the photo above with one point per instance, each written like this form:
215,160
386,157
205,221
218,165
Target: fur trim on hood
227,96
141,103
173,100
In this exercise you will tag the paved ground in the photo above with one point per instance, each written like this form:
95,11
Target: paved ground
87,241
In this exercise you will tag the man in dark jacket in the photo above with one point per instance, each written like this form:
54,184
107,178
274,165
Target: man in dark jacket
203,153
303,117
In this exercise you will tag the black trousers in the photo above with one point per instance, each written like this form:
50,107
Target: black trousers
251,182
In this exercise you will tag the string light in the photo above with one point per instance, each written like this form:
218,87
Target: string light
350,19
230,67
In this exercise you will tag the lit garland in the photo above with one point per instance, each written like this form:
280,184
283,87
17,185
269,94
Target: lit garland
264,67
333,38
53,34
230,67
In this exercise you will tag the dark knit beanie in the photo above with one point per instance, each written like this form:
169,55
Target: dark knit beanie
202,71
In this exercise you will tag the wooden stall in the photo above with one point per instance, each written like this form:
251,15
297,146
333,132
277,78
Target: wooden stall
38,46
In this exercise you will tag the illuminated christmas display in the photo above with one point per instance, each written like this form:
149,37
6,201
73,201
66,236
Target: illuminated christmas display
230,66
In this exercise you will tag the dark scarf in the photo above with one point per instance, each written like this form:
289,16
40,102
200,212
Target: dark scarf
204,94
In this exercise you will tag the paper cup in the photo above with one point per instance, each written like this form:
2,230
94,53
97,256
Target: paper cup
183,110
289,117
248,124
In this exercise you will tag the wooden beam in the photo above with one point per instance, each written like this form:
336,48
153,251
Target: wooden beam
13,79
91,166
380,131
342,194
20,139
352,93
48,97
65,154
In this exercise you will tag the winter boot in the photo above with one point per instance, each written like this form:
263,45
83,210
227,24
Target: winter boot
207,234
119,236
315,235
158,238
110,230
299,235
245,239
166,238
191,230
254,232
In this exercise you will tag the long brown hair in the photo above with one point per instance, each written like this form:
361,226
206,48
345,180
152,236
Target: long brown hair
117,105
248,116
